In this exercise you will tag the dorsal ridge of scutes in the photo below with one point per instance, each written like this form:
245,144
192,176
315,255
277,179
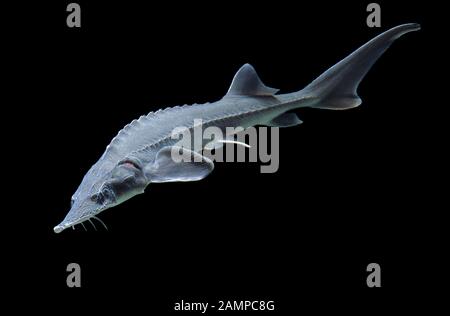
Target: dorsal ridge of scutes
246,82
134,129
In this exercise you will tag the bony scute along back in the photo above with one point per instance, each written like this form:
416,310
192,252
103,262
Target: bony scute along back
142,152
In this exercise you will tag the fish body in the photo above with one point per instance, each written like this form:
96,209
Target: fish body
142,151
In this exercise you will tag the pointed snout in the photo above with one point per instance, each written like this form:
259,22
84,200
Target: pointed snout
78,213
59,228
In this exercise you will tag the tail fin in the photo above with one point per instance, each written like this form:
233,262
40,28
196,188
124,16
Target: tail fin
337,86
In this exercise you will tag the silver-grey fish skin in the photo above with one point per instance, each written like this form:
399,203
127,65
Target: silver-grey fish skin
130,161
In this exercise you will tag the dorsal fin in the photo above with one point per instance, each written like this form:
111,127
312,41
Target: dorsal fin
247,82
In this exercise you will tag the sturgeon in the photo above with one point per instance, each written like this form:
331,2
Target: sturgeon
140,154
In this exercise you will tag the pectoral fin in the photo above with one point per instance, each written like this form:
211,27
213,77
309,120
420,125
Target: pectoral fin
178,164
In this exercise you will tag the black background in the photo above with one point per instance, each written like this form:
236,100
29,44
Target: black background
349,190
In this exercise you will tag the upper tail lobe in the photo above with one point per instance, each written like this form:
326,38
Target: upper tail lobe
336,87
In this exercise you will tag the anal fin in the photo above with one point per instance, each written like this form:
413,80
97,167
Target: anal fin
285,120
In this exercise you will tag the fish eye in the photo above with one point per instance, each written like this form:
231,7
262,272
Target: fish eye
72,200
98,198
104,194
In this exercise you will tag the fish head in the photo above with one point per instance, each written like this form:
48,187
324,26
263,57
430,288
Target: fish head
101,190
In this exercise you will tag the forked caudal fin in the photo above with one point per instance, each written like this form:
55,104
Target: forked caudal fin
336,87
